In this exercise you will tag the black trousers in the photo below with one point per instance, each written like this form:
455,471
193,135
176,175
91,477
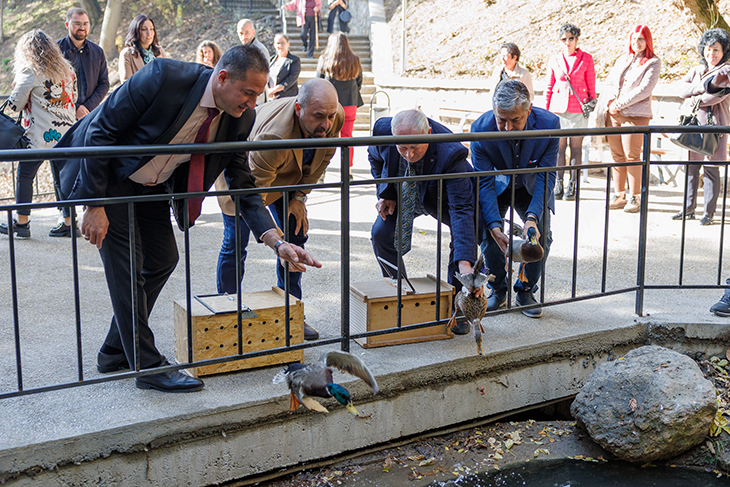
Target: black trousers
308,28
155,254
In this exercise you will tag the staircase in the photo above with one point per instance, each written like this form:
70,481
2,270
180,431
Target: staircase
360,44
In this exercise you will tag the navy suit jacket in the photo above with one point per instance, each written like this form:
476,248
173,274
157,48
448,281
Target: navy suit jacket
458,210
495,155
150,108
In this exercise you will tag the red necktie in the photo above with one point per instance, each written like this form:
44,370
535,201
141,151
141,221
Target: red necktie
197,167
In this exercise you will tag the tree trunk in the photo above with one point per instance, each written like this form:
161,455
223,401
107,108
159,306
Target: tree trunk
705,13
112,12
2,7
93,9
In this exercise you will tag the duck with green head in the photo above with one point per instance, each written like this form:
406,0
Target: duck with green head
307,381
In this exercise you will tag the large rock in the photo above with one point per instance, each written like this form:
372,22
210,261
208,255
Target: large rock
653,403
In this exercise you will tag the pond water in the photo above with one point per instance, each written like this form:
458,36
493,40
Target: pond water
574,473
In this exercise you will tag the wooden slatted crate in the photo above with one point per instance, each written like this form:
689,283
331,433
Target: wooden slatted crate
373,306
216,335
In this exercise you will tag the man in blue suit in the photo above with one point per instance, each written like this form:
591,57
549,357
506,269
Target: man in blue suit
458,210
166,102
514,112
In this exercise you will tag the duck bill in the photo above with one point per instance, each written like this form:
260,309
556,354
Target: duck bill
352,409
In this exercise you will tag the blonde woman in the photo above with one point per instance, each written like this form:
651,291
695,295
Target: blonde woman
341,67
45,90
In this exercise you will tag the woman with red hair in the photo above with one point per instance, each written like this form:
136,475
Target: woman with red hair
626,102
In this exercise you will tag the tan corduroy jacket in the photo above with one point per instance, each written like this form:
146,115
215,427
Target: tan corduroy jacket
276,120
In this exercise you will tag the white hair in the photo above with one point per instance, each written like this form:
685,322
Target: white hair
412,119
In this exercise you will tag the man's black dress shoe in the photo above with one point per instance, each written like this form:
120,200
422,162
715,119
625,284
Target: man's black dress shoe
175,381
111,362
722,307
310,333
496,300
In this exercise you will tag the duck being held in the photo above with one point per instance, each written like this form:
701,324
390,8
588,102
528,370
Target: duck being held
527,250
470,302
307,381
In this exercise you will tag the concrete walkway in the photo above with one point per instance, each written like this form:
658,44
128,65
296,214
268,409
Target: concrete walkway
239,424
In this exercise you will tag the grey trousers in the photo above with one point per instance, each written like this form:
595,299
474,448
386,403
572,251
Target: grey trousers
711,188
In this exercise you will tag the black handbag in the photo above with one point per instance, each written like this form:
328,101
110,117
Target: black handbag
705,144
11,132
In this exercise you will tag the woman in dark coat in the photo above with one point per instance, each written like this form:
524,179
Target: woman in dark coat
284,70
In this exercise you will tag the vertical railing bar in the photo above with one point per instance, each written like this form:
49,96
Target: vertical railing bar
439,216
722,227
239,274
133,282
14,284
399,274
543,227
606,213
643,219
512,178
76,291
188,291
345,246
287,236
576,228
684,225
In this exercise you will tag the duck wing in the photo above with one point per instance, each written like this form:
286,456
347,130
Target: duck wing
350,364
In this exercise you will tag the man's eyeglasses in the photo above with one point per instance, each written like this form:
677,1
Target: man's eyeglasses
567,39
78,25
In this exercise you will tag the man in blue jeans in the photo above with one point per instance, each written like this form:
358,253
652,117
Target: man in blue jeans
314,113
513,111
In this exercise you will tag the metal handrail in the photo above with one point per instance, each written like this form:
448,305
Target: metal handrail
344,185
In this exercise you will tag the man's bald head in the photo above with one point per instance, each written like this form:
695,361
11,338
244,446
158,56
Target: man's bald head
246,31
316,107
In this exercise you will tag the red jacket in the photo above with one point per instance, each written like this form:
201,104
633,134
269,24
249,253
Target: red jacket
558,96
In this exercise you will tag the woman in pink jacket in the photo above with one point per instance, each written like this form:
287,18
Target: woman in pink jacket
626,102
576,66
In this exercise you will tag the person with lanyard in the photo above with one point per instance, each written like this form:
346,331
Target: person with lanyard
510,69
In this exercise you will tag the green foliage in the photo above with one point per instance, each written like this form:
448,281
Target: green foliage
5,64
178,17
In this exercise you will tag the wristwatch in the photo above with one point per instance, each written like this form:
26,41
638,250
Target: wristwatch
300,197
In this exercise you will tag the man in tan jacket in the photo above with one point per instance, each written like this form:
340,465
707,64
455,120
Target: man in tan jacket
314,113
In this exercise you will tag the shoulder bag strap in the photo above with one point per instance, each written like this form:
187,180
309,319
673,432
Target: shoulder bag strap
570,85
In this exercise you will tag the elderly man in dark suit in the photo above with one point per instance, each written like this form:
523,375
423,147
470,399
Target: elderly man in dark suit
166,102
513,111
458,210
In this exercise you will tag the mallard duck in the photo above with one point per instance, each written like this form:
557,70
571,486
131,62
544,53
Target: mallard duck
528,250
307,381
474,307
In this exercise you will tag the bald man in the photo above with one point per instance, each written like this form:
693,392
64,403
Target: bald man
314,113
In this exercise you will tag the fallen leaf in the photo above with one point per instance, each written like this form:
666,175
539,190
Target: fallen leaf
632,404
727,354
508,444
427,462
415,458
541,450
387,463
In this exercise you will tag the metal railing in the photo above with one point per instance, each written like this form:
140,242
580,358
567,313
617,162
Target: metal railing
344,186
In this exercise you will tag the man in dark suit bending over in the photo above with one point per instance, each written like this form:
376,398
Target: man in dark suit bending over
166,102
420,159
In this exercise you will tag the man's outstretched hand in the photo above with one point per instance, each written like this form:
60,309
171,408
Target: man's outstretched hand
297,257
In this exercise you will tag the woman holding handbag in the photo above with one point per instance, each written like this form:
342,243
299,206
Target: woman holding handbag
714,49
626,102
338,10
44,88
571,95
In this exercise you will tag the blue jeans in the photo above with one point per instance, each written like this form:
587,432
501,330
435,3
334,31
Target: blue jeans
226,270
495,258
295,278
